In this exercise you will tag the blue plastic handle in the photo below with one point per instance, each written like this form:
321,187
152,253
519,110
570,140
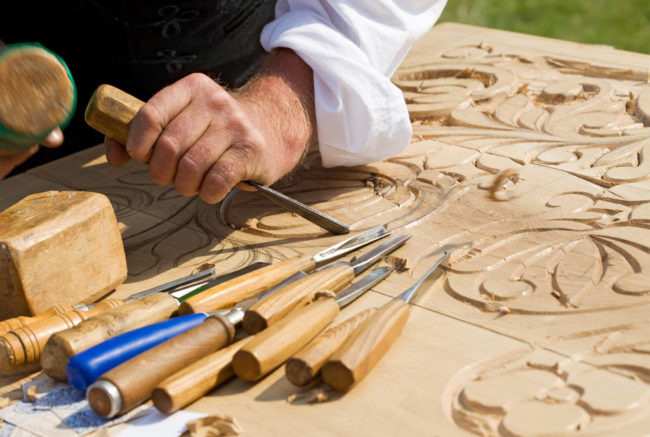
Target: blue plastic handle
86,367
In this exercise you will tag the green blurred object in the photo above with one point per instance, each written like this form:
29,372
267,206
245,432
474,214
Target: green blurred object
33,80
623,24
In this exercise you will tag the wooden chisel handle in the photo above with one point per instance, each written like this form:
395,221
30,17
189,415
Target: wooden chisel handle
136,378
303,367
271,347
135,314
242,287
365,347
21,348
20,321
111,110
196,380
271,309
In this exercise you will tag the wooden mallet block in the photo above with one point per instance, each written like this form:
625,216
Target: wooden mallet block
58,247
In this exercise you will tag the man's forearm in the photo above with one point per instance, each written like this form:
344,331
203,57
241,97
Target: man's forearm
285,83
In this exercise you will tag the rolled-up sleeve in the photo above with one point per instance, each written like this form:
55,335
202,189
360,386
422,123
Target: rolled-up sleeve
354,47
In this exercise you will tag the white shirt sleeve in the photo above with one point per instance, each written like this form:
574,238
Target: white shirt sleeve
354,47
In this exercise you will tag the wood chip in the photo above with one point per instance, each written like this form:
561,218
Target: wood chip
313,396
215,425
498,185
30,394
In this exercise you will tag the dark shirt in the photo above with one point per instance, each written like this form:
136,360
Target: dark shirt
139,46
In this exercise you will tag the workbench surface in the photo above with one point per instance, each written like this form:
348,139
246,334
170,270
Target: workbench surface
530,160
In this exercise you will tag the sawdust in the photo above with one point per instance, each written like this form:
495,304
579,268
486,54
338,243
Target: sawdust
215,425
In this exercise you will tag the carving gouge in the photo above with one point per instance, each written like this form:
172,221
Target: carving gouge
372,339
202,376
111,110
274,345
141,311
21,347
20,321
303,367
242,287
86,367
267,311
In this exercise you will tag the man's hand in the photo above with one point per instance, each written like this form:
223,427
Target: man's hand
9,160
205,140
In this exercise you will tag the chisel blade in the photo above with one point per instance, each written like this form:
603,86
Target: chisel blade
356,289
351,244
426,280
292,205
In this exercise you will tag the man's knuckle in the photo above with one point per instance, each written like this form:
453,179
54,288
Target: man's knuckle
168,146
150,115
188,164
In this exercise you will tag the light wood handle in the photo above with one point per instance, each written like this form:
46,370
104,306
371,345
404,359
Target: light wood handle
63,345
268,311
111,110
135,379
199,378
303,367
21,348
273,346
20,321
228,293
365,347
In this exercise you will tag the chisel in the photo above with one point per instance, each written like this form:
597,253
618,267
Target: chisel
111,110
372,339
201,377
271,347
129,384
227,294
21,347
303,367
143,309
86,367
267,311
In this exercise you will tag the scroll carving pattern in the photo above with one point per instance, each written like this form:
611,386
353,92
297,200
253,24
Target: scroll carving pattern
566,250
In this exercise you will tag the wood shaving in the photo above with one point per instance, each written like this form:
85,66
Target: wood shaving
30,394
204,266
4,402
497,187
324,294
215,425
313,396
400,264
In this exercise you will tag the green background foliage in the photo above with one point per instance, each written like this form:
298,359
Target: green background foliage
624,24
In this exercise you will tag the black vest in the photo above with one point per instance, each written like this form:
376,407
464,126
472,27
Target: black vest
140,45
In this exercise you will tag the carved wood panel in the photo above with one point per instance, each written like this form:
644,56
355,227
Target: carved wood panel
530,162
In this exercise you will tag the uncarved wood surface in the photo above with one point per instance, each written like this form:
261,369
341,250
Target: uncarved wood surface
531,162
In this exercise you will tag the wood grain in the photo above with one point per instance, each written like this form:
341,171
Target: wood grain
111,110
304,366
274,307
273,346
230,292
543,310
20,321
61,346
135,379
366,346
197,379
45,231
21,348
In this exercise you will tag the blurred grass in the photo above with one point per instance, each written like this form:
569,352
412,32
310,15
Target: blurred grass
624,24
